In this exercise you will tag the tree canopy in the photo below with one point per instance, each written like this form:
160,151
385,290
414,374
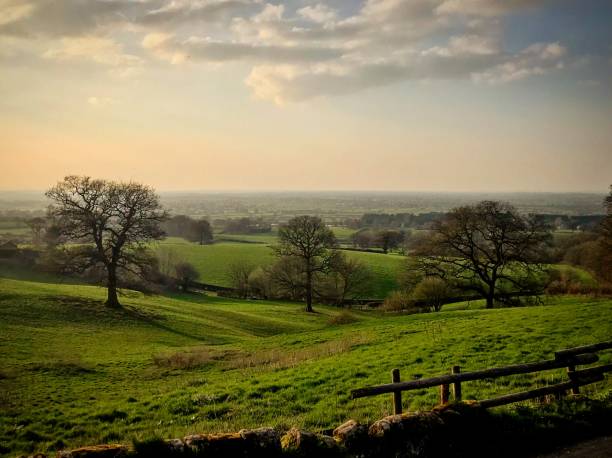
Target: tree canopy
108,224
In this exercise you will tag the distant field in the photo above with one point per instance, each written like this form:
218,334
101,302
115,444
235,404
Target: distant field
213,261
14,228
342,234
73,372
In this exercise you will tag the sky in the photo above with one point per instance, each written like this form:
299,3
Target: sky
393,95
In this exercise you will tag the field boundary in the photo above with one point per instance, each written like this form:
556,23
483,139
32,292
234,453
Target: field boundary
568,358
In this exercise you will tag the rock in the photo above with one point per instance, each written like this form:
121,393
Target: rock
306,444
96,451
228,445
261,441
175,446
351,434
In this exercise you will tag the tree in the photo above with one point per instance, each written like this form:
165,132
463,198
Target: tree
348,278
111,222
307,239
37,225
239,273
186,274
188,228
203,231
484,247
605,240
390,240
432,292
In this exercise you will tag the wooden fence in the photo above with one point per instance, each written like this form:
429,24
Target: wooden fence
569,358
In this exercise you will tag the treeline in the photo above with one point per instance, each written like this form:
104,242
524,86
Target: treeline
492,251
425,221
395,220
385,239
243,225
194,230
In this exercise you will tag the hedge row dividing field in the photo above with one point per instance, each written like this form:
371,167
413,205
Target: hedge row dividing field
73,372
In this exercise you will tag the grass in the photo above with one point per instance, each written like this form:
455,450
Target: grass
213,261
73,372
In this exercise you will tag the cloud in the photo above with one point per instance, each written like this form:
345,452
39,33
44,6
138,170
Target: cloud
209,50
283,84
318,13
60,18
177,13
485,7
101,50
295,53
537,59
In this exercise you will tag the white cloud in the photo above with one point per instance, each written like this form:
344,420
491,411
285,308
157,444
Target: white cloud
537,59
294,53
210,50
318,13
100,50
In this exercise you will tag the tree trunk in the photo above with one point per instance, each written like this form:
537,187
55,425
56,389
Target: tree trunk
112,300
309,291
490,297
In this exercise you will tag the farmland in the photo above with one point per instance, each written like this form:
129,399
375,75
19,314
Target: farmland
213,261
74,372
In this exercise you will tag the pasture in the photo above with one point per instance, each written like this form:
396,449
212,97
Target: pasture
213,261
73,372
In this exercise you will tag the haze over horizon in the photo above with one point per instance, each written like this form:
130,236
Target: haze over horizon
249,95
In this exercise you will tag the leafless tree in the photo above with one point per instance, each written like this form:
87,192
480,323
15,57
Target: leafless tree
186,274
111,222
348,278
483,246
307,239
239,273
37,225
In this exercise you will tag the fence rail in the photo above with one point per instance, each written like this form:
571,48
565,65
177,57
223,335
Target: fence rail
568,358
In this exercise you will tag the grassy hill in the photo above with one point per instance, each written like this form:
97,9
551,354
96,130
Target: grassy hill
213,261
73,372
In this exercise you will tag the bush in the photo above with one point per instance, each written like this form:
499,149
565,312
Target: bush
398,301
343,317
431,293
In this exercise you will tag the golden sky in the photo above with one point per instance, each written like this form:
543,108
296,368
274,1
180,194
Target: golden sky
431,95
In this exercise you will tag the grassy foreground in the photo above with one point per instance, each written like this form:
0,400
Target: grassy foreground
74,373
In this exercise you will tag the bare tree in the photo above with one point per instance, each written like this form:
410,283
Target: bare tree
186,274
288,278
37,225
483,246
308,239
389,239
111,221
239,273
348,278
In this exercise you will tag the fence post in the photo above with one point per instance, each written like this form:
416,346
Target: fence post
397,395
456,385
444,393
570,369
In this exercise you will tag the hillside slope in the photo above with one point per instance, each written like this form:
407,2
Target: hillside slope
73,372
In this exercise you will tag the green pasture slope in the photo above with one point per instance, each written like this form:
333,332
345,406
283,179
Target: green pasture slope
213,261
73,372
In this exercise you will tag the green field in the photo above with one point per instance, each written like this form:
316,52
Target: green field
74,372
213,261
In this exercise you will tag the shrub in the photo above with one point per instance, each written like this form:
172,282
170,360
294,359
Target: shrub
431,293
397,301
343,317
